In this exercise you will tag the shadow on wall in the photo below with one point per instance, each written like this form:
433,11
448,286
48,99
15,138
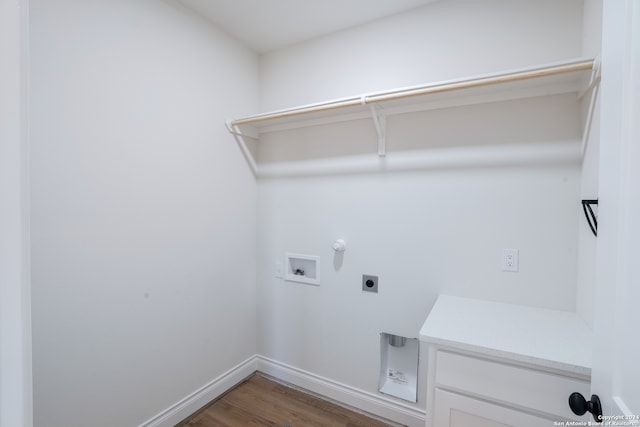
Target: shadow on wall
501,123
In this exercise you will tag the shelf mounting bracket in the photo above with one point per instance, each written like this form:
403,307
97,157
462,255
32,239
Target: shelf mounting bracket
240,139
592,90
380,122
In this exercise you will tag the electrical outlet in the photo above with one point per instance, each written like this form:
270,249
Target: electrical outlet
369,283
510,260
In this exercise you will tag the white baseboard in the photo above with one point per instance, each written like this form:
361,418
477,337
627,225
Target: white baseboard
379,405
371,403
199,398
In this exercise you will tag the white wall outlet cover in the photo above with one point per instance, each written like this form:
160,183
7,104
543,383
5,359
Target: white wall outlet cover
278,270
510,261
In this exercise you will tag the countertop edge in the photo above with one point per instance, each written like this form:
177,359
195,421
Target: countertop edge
448,325
584,371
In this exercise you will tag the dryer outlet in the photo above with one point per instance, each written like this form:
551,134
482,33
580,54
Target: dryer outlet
369,283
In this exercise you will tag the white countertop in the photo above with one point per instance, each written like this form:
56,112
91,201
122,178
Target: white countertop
547,338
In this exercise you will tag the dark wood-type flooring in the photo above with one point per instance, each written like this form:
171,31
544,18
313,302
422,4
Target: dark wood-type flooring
259,401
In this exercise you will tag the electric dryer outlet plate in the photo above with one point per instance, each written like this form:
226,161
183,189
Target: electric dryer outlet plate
369,283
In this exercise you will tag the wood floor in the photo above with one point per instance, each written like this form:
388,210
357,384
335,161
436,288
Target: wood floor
259,401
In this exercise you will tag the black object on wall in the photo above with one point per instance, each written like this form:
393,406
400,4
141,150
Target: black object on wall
592,219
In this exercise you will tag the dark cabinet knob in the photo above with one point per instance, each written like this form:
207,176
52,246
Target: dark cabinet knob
580,406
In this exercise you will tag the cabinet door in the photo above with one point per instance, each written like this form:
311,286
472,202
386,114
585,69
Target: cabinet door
457,410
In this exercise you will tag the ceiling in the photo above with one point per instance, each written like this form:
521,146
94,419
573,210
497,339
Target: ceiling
266,25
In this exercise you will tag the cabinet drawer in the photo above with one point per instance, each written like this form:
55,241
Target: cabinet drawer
456,410
523,387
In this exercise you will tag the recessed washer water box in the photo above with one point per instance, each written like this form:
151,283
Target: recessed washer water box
399,366
302,268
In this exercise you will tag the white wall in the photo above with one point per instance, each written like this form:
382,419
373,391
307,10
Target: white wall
592,34
423,232
440,41
143,209
15,305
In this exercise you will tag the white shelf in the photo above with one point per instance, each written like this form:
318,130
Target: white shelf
562,77
572,76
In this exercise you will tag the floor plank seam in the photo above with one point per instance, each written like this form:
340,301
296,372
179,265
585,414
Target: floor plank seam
261,399
327,399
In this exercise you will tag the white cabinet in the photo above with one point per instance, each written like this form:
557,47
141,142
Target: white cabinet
495,365
459,410
466,386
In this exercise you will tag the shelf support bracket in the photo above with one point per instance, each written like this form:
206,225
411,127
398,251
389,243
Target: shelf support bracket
240,140
380,123
592,89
